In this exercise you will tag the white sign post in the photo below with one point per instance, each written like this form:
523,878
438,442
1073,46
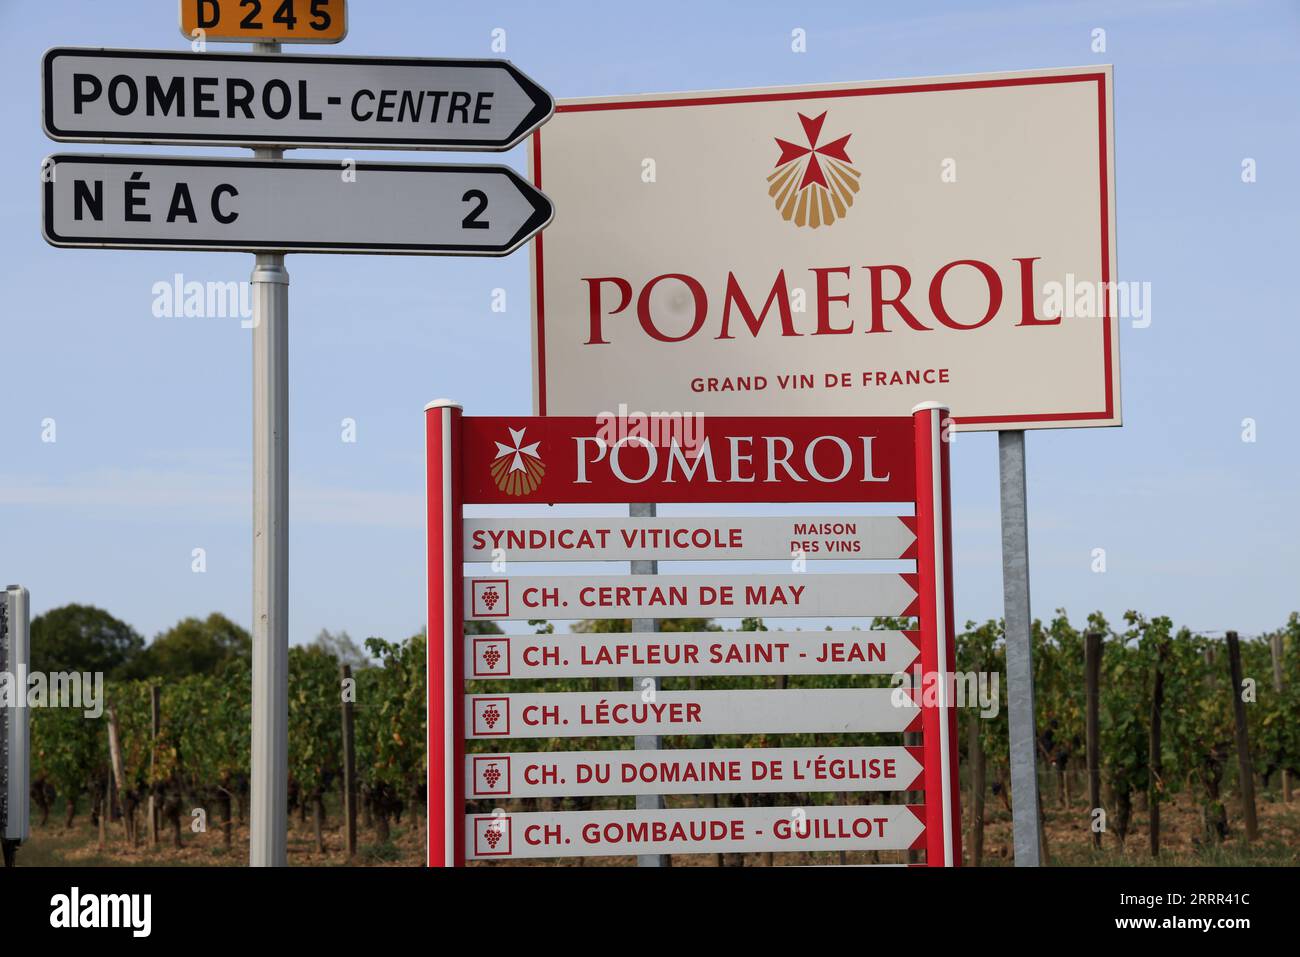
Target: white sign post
268,831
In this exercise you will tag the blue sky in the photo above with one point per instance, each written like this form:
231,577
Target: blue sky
153,415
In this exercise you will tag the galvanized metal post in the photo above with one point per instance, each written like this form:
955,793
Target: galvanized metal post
268,822
1020,659
15,733
646,742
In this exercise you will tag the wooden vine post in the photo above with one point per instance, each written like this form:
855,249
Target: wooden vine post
1092,681
349,766
1244,765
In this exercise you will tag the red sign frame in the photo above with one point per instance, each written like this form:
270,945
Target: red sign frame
512,460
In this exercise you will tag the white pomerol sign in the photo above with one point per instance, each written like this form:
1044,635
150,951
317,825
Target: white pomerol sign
848,249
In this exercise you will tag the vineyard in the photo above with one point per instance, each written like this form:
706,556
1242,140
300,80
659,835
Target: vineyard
195,767
1165,708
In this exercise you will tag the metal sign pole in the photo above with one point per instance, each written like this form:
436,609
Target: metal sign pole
15,733
1020,660
269,769
646,742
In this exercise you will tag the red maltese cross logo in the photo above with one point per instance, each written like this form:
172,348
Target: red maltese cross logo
813,185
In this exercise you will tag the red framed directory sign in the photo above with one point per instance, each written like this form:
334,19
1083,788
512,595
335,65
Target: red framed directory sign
503,460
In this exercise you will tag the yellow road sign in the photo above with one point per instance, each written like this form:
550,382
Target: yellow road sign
268,21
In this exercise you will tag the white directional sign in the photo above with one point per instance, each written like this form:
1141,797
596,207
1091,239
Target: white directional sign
138,202
688,596
683,539
691,771
692,831
583,714
689,653
234,99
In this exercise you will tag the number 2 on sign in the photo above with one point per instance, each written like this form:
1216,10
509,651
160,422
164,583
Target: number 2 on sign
472,220
320,17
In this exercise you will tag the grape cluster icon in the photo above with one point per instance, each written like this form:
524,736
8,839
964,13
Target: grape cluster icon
491,716
492,775
492,656
491,597
493,835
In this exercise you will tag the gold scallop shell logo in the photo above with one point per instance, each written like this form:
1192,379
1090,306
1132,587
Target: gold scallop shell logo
517,468
813,185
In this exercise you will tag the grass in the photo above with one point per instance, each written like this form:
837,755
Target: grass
53,845
1068,840
1182,843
